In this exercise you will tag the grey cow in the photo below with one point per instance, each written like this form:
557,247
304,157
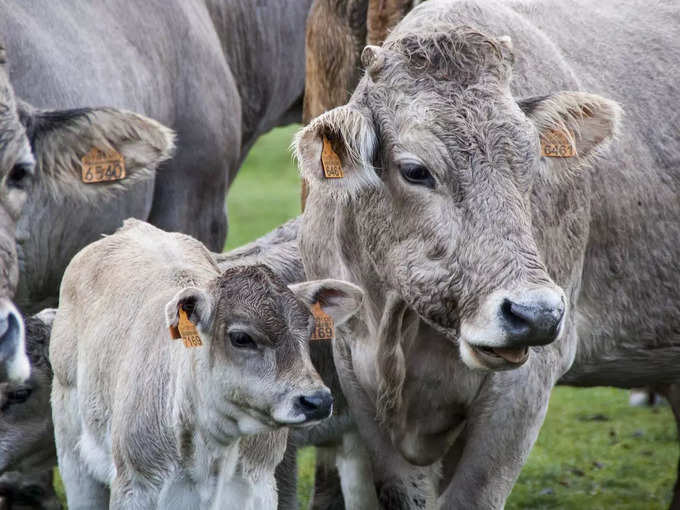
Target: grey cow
157,422
27,453
219,72
492,269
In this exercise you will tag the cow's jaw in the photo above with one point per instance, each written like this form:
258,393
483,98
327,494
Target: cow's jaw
493,358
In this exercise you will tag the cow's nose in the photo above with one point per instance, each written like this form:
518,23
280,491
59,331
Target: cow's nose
315,406
533,320
13,359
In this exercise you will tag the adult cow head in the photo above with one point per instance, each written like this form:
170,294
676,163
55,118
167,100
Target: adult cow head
47,212
439,161
16,171
66,202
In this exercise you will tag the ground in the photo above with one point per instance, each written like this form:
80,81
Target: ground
594,451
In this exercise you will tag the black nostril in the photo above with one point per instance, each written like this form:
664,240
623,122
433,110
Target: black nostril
531,323
316,406
513,316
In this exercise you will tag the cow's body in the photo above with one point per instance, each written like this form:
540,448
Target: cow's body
218,72
602,229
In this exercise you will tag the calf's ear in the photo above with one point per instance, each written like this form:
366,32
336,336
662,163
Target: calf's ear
339,299
573,124
60,140
196,303
335,152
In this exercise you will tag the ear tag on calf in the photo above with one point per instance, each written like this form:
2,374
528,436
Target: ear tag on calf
102,166
323,324
187,330
332,166
556,144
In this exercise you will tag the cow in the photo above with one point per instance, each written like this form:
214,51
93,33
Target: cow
509,226
27,452
220,73
146,421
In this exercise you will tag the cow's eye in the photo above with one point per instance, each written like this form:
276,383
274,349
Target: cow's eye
18,396
20,176
242,340
417,174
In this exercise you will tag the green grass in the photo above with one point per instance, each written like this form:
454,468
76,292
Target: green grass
594,451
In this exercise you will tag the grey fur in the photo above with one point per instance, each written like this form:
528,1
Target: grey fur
453,92
218,72
184,449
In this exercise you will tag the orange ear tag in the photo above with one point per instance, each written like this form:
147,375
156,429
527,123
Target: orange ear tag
556,144
332,166
323,324
102,166
186,330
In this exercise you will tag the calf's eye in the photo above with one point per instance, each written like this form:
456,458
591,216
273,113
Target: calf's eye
242,340
417,174
18,396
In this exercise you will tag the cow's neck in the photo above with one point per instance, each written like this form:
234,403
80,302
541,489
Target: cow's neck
207,441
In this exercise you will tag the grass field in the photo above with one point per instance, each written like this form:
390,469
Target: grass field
594,451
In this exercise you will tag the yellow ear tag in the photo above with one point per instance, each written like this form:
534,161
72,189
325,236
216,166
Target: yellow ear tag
102,166
323,324
332,166
556,144
187,330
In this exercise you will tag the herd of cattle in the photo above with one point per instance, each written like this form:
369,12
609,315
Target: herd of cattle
491,207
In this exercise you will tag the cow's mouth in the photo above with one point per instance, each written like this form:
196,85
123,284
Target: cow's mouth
500,358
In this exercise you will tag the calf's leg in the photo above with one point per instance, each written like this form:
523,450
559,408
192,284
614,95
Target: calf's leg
83,491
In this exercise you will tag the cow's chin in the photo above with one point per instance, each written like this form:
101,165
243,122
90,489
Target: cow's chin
492,358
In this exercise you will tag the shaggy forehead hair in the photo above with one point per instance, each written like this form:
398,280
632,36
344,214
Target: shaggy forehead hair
442,58
260,291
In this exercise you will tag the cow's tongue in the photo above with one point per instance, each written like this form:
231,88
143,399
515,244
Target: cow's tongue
512,355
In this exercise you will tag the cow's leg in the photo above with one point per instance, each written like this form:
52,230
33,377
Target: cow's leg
286,478
327,492
672,394
502,426
83,491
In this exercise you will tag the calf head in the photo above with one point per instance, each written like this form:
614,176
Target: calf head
439,164
255,370
26,432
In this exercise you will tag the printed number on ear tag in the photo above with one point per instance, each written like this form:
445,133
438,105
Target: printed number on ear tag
556,144
323,324
332,166
102,166
186,330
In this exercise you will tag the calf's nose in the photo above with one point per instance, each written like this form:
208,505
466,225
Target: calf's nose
535,319
315,406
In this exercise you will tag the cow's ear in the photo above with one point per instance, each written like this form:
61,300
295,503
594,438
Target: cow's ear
573,124
339,299
335,152
197,304
60,139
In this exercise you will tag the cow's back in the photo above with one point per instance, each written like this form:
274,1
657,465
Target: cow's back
109,339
